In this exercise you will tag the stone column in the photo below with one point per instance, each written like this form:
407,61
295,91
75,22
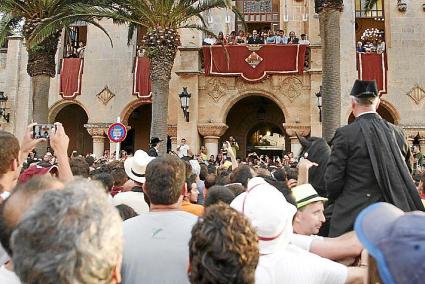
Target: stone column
212,133
292,130
172,132
97,132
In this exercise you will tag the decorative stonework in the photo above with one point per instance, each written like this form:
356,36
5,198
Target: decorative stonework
253,59
97,129
105,95
212,129
172,130
293,129
417,94
401,5
292,88
216,88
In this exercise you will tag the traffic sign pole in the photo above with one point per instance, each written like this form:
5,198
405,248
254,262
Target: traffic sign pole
118,145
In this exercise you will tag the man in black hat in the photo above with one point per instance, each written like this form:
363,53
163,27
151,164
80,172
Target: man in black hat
370,162
153,150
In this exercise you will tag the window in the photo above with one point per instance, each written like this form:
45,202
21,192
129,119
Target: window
377,10
75,40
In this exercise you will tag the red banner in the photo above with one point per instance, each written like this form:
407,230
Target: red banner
373,66
70,77
142,80
254,62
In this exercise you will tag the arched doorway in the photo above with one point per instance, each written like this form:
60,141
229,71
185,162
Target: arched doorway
73,117
140,122
383,111
256,123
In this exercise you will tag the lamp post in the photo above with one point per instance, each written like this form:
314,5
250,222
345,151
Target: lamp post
3,100
184,101
319,103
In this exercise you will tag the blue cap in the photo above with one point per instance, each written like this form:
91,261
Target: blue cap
396,240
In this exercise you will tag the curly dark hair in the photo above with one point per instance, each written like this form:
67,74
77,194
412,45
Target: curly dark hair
223,248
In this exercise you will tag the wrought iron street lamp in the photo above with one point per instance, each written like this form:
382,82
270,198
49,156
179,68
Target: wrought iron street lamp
3,100
184,101
319,103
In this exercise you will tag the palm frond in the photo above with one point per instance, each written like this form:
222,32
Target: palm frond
7,24
369,4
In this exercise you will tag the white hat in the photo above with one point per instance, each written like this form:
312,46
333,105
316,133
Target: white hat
269,212
135,167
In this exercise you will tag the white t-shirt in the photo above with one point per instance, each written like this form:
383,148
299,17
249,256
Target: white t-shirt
183,151
8,277
297,266
133,199
303,241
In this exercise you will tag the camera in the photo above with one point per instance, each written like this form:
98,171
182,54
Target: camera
42,130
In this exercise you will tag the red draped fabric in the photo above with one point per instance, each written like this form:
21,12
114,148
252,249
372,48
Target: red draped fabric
373,66
266,59
142,80
70,77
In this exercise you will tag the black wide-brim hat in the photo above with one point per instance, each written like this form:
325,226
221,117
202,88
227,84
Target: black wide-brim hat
155,140
364,89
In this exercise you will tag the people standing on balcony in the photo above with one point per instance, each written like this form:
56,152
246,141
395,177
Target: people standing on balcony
281,38
221,40
271,38
210,40
360,47
292,38
255,38
231,39
241,38
304,40
81,49
380,48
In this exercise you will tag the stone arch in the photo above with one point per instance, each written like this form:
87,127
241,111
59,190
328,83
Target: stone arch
229,104
59,105
129,108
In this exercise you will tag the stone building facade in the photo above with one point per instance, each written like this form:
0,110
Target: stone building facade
223,106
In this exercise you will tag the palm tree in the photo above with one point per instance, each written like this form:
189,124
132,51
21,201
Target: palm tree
29,18
162,20
329,15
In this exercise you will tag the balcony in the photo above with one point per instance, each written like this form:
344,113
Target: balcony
254,62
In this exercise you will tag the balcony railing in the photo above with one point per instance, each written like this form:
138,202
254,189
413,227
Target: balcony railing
254,62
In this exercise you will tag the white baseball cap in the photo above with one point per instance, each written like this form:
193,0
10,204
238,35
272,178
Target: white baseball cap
269,212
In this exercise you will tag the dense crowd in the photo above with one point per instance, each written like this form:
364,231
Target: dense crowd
186,218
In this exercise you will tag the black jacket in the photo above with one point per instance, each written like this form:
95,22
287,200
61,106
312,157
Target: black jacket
350,178
256,40
152,152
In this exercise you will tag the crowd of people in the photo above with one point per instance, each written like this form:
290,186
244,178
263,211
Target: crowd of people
377,46
186,218
256,37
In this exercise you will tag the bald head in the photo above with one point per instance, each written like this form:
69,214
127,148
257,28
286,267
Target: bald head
23,197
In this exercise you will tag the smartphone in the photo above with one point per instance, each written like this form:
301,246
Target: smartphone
42,130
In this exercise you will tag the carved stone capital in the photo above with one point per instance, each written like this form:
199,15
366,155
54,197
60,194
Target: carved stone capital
97,129
172,130
293,129
413,131
212,129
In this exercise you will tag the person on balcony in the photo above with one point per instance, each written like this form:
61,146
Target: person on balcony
241,38
221,40
292,38
255,39
281,38
304,40
380,48
210,40
81,49
271,38
360,47
231,39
